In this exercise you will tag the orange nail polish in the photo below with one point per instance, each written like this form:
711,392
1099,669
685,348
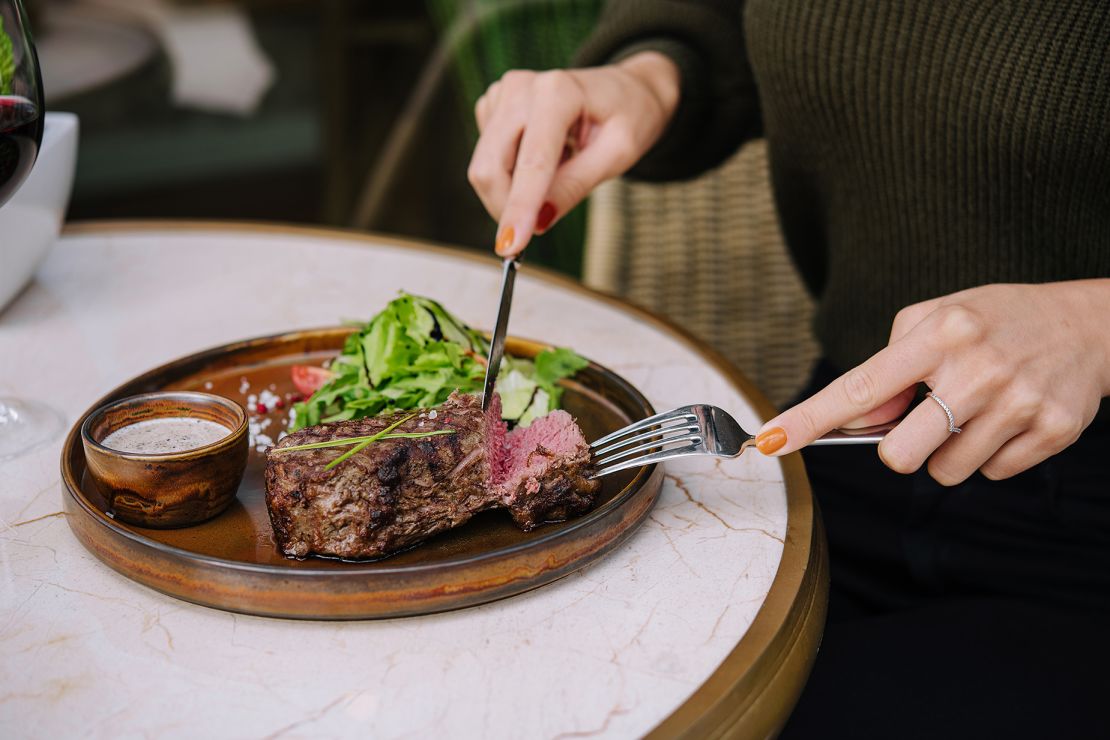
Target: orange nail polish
771,441
546,216
505,241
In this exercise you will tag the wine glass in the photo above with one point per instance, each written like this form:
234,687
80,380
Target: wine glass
24,424
21,114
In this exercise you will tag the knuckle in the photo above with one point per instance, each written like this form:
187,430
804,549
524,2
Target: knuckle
623,149
1059,426
903,314
896,457
998,471
479,175
902,320
944,474
995,368
533,161
859,388
555,82
807,420
1024,404
517,77
960,325
905,319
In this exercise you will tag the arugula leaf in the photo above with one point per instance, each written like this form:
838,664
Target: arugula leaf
414,353
555,364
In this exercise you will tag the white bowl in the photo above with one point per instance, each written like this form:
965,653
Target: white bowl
32,219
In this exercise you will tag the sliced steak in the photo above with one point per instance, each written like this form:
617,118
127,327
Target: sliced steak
396,493
541,477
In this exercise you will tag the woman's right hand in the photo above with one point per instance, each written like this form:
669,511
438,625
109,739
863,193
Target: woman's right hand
548,138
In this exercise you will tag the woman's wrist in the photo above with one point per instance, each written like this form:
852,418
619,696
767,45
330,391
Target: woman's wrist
1081,308
1091,307
659,74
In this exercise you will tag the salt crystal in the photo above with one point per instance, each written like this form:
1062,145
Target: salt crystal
244,386
263,441
433,414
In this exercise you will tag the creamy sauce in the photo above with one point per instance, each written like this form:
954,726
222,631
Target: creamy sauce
159,436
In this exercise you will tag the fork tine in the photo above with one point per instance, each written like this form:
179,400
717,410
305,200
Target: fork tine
654,457
645,435
603,460
682,413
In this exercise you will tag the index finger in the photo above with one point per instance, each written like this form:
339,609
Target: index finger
866,387
538,158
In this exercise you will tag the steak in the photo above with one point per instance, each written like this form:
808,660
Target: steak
396,493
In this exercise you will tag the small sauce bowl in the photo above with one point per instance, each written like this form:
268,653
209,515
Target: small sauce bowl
171,489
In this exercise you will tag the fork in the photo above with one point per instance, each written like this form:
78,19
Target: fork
700,429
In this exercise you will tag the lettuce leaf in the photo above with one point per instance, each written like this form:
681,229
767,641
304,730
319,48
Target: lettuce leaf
414,354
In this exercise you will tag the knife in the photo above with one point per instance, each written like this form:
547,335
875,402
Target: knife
497,341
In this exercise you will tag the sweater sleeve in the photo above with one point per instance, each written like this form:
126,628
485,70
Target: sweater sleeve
719,106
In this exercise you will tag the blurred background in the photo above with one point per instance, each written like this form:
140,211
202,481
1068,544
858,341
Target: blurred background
354,113
359,114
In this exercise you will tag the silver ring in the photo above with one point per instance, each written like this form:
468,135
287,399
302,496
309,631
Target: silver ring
952,428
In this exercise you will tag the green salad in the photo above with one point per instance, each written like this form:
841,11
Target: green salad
413,355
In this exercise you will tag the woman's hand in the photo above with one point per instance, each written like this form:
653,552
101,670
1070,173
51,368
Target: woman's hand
1022,367
548,138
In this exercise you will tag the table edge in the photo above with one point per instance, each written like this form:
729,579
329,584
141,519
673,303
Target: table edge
735,699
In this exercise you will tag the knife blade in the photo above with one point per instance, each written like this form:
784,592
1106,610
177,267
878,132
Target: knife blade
497,341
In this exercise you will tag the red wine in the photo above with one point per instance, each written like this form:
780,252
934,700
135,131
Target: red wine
20,136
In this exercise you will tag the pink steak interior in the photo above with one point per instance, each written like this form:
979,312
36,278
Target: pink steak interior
525,454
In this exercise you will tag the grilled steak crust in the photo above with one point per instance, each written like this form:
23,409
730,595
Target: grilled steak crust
391,495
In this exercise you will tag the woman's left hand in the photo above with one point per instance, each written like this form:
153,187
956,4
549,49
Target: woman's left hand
1022,367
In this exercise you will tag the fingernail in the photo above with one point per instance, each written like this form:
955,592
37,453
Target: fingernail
545,217
771,441
505,241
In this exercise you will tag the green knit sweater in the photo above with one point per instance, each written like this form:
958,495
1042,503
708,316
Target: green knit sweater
917,148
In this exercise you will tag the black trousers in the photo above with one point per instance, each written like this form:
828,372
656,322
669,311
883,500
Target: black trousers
981,610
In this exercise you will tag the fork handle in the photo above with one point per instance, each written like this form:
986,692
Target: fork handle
863,436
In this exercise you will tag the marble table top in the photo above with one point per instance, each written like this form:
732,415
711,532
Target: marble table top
611,650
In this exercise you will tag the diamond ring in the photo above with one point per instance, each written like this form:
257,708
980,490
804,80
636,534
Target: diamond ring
952,428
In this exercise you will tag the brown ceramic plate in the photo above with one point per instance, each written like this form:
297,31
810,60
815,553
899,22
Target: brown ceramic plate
230,562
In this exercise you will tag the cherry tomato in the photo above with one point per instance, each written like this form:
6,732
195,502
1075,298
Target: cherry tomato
309,379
